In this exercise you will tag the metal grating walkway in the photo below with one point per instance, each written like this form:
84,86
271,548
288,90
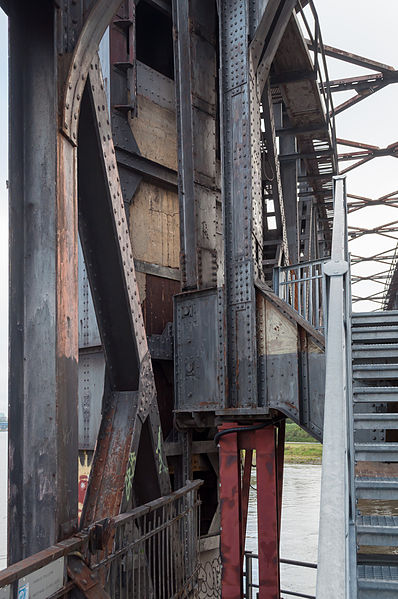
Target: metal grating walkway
375,424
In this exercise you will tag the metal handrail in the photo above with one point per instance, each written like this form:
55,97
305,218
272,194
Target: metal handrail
250,585
154,542
388,291
302,287
336,530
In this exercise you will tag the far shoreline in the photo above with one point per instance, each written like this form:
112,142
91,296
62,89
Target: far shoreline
303,453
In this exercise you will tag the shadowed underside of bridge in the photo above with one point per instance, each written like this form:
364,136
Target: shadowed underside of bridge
171,223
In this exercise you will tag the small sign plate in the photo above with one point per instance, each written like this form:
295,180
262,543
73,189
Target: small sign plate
5,592
42,583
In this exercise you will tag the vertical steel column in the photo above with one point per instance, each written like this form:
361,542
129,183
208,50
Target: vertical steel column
231,530
188,215
280,464
288,170
43,294
195,77
243,229
267,513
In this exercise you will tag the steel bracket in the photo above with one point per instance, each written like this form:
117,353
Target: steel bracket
85,579
335,268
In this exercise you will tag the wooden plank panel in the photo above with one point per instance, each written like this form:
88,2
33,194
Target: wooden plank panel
155,131
154,226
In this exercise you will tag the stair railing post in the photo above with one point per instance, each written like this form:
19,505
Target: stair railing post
333,549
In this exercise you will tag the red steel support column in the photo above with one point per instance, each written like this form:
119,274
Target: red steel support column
280,463
267,513
231,530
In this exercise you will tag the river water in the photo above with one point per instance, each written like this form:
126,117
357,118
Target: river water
299,532
300,514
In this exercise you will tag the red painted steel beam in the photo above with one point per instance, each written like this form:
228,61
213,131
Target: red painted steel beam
267,514
280,462
234,496
231,531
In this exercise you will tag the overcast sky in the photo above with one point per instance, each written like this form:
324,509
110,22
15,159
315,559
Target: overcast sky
368,29
358,26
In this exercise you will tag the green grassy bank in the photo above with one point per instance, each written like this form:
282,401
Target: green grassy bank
300,447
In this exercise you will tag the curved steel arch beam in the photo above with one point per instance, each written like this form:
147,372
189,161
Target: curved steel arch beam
93,29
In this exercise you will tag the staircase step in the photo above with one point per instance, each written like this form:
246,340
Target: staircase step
375,394
370,352
375,334
377,581
376,452
376,487
377,531
378,421
375,318
375,371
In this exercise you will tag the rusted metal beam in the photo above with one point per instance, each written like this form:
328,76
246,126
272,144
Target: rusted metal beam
360,61
86,580
130,414
188,209
276,184
43,294
304,130
354,100
270,42
292,77
280,462
149,170
356,83
231,527
267,513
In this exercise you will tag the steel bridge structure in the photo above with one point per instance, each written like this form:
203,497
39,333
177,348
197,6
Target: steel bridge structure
179,262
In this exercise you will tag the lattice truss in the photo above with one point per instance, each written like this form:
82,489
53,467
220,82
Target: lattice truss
374,260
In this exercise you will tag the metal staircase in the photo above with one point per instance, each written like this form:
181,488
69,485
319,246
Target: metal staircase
358,533
375,424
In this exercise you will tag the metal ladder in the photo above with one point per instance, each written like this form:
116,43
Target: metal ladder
375,422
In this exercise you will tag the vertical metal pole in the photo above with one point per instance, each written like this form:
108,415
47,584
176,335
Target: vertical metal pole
332,576
267,514
249,575
280,465
276,279
231,530
288,169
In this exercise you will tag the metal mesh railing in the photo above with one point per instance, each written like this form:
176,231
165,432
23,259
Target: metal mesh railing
151,552
302,286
